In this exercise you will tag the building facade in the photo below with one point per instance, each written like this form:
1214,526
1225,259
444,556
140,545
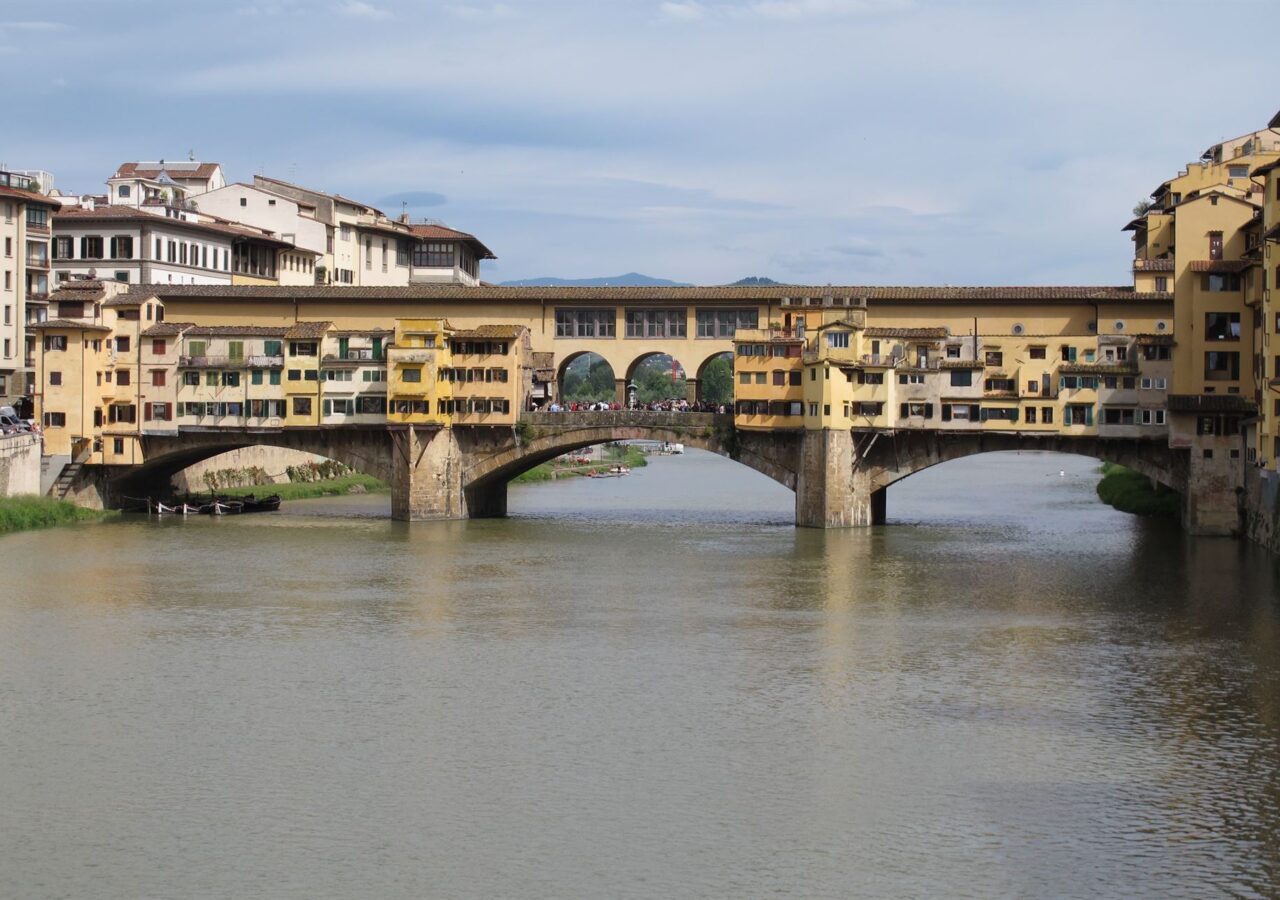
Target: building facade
24,279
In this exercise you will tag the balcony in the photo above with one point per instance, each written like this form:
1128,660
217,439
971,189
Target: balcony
213,362
37,262
263,362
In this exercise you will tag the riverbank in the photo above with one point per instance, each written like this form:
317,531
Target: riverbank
551,471
357,483
1128,491
27,513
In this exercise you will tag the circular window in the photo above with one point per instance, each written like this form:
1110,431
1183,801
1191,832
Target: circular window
1093,326
1119,325
1017,328
1161,325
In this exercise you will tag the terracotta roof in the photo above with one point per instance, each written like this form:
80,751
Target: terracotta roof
235,330
1101,368
757,293
120,213
1220,265
962,364
167,329
361,332
1153,265
308,330
27,196
1155,340
174,169
1210,403
1275,121
79,294
69,323
429,232
488,331
81,284
915,333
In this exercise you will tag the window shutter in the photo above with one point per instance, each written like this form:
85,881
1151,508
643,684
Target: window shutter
946,412
928,410
903,410
975,412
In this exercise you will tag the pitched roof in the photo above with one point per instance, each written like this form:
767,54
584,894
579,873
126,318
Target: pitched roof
122,213
431,232
27,196
79,292
488,331
235,330
758,293
308,330
1099,368
69,323
175,169
915,333
1220,265
1153,265
1154,340
1209,403
167,329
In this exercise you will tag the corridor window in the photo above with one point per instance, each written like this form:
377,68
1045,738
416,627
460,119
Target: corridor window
586,323
722,323
660,323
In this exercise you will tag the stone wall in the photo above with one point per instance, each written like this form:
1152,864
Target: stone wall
1262,507
275,461
19,464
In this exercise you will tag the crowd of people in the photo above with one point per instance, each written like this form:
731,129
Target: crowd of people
672,405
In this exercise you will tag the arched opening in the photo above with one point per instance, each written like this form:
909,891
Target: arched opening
656,378
586,378
715,380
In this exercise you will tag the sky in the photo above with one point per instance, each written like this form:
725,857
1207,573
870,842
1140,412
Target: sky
812,141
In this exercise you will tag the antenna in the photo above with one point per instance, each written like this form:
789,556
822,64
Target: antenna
191,154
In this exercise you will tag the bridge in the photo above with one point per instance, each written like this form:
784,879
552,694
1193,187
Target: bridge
840,477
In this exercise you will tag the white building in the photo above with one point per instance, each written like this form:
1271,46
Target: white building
162,182
287,219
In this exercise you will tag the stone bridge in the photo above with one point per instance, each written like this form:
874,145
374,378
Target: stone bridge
839,477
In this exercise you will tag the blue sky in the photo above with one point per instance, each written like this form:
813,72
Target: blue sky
844,141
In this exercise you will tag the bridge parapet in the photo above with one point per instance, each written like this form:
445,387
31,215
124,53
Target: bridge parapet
638,418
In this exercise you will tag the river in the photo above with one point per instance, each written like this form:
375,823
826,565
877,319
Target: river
651,686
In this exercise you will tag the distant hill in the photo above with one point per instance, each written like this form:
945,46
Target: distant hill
631,279
754,281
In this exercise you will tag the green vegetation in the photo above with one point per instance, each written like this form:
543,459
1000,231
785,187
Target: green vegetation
614,455
1130,492
654,382
305,490
717,380
588,379
26,513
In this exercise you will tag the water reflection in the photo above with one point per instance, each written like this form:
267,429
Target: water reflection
645,686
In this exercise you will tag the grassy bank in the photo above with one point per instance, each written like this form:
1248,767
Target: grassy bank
1130,492
306,490
27,513
549,471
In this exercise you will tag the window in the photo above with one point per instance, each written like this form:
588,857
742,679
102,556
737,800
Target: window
302,348
1215,245
593,323
646,323
295,374
1162,283
1037,352
122,247
123,377
1033,386
838,339
961,377
1217,283
63,247
1000,414
953,351
744,378
994,358
384,255
122,412
55,378
302,406
433,255
1046,415
55,342
1220,366
122,344
411,375
91,247
311,375
1031,415
722,323
231,379
1222,326
403,252
55,420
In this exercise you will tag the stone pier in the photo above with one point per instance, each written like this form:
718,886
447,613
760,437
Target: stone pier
830,491
426,475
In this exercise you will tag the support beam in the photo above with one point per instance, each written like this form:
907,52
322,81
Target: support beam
691,390
426,480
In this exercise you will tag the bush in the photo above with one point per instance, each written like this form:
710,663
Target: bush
1130,492
26,513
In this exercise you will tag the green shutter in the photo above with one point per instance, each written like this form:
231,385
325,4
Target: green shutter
343,345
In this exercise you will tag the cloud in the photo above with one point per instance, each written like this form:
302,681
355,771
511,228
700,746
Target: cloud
358,9
492,12
688,11
31,26
824,9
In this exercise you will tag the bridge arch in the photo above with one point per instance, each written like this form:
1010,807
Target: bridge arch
907,454
703,371
670,364
366,450
593,361
700,431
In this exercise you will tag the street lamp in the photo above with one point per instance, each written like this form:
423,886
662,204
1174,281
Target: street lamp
631,395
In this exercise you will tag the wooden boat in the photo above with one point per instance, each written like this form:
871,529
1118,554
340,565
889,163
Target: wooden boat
262,504
220,507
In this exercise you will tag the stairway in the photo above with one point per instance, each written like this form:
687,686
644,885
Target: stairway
67,477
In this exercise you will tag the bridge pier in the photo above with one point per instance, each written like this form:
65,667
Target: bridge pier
426,475
1212,501
830,491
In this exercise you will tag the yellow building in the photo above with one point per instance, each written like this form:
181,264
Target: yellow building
416,392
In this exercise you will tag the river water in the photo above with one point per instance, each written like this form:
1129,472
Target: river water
649,686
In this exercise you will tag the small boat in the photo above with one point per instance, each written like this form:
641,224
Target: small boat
263,504
219,507
180,509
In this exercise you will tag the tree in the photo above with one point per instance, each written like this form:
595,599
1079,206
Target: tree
716,385
654,382
588,379
1142,208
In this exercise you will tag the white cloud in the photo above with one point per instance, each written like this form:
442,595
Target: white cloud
489,13
814,9
31,26
358,9
688,11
